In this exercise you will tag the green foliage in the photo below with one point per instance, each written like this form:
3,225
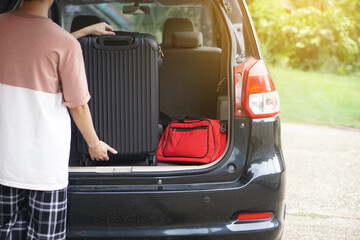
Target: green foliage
318,39
309,38
295,4
351,10
267,16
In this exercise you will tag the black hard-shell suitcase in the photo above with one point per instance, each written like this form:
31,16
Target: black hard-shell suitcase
123,79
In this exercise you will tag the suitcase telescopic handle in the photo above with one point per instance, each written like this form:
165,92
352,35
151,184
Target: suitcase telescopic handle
116,42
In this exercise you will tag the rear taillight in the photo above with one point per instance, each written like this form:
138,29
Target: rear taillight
259,96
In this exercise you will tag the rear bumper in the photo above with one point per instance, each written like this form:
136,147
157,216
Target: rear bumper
179,215
271,229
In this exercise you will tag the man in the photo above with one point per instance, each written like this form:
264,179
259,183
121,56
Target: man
41,76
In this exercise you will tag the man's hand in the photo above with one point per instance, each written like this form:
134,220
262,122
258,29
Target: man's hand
99,151
100,29
82,118
97,29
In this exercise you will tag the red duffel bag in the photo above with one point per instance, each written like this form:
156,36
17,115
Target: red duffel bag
192,141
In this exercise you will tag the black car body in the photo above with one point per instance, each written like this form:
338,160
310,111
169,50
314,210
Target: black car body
188,205
239,196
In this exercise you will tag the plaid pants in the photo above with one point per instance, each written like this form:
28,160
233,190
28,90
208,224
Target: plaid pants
30,215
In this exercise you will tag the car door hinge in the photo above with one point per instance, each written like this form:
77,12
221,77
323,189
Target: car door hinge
226,4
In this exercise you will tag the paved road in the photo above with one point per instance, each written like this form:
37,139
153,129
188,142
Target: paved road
323,182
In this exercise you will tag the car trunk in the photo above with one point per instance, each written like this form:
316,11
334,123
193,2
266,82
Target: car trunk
193,82
187,90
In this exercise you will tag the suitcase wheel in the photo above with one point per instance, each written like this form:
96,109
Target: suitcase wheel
151,160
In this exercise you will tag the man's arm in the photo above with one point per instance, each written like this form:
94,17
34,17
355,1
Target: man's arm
82,118
95,29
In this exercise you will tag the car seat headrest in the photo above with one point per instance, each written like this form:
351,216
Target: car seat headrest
175,25
187,39
82,21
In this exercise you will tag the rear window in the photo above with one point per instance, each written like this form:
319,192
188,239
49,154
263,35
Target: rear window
152,23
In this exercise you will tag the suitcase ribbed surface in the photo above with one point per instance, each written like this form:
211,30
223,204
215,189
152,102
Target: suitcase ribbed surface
124,90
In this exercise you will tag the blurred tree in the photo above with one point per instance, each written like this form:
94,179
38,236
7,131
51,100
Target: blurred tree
295,4
309,34
268,16
351,10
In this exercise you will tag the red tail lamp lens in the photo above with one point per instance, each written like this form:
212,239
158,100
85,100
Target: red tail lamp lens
259,79
254,216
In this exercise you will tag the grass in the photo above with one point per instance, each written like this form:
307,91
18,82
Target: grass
318,98
312,215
